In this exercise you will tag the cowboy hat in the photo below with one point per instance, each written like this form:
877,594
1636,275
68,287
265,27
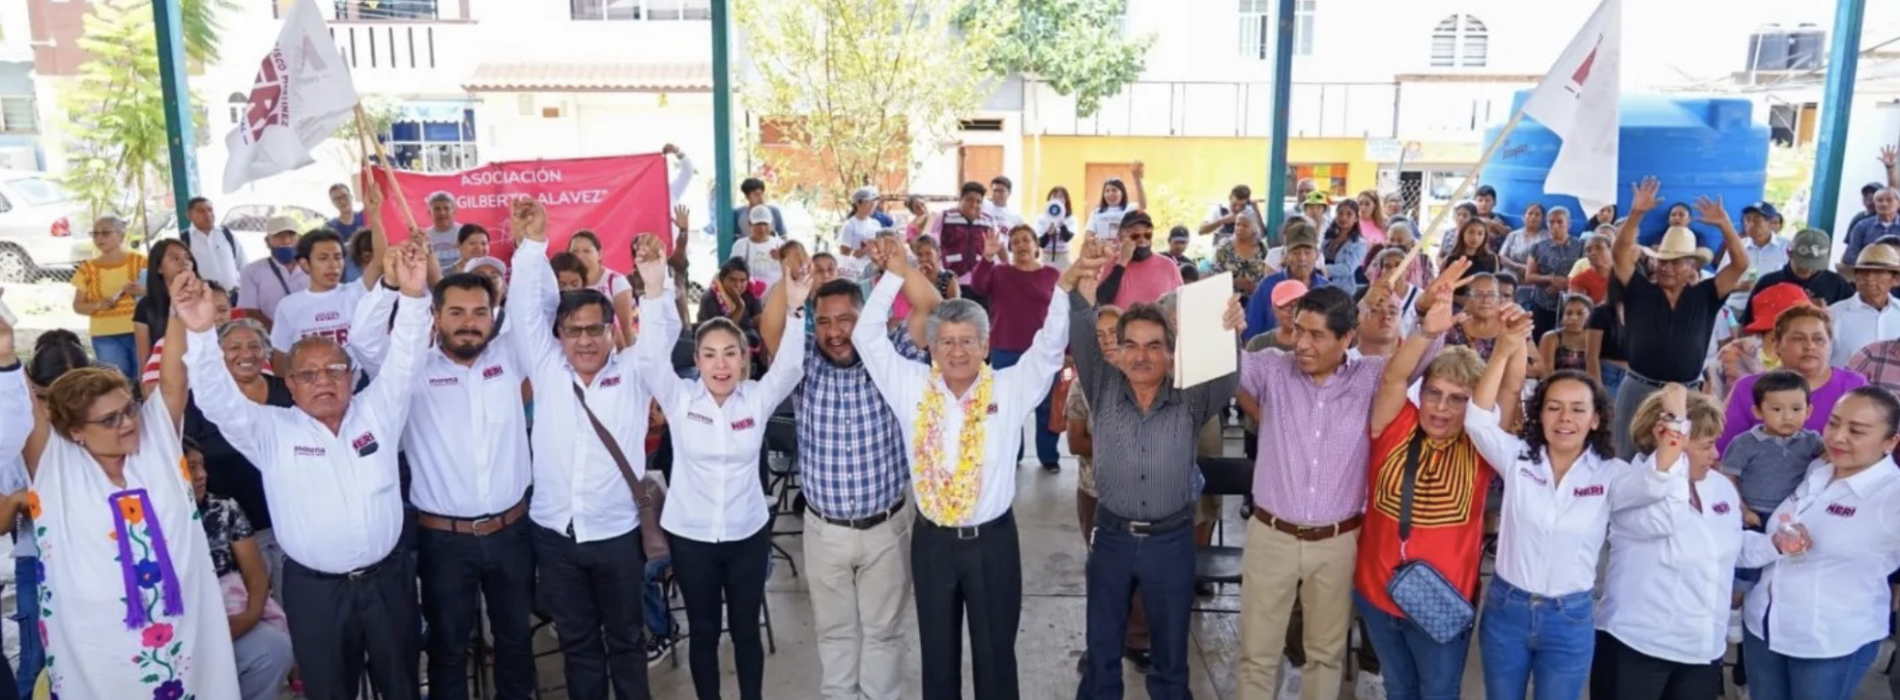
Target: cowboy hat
1679,242
1878,257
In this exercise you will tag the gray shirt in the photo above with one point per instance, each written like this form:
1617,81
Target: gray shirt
1768,468
1145,466
1553,259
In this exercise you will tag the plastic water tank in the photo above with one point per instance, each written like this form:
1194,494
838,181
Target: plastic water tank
1767,48
1807,47
1697,146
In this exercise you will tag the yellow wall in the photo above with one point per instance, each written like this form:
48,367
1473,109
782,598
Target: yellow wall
1200,170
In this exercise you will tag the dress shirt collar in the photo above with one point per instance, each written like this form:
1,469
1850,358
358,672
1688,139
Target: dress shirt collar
1164,396
1863,484
1761,432
613,364
1855,303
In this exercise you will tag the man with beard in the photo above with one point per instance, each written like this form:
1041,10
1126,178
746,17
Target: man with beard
471,494
854,473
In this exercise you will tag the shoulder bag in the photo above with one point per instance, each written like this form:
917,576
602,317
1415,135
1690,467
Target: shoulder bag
1419,591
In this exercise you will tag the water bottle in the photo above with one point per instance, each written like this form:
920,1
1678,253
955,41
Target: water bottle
1789,537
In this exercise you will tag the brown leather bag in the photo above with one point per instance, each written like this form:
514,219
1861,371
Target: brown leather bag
648,494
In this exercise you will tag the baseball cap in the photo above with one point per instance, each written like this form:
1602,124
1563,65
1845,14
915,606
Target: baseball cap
1178,233
1287,292
864,194
1766,210
1810,249
1769,303
279,224
1137,218
1870,188
486,261
1301,236
760,215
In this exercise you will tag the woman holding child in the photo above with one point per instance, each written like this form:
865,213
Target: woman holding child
1804,340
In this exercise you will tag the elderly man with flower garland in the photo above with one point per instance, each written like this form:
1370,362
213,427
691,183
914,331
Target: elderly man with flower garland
854,475
962,424
1147,481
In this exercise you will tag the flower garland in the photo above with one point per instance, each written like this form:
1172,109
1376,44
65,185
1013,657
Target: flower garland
948,496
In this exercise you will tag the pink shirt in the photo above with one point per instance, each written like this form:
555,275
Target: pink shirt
1145,282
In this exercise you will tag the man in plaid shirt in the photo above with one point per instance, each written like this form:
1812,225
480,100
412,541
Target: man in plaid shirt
854,472
1880,363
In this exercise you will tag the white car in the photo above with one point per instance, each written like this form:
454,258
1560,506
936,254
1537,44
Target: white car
42,228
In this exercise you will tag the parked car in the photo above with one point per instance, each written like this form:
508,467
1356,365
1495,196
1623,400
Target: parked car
247,223
38,220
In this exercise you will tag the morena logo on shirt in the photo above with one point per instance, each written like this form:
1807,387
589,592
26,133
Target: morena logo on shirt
329,316
491,372
1533,476
1720,508
1841,510
444,381
699,418
302,451
1586,491
610,381
742,424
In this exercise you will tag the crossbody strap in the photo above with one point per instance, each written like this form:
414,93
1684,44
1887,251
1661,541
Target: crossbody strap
1405,491
607,439
272,264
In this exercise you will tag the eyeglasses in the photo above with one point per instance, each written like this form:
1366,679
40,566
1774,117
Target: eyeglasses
963,344
592,331
115,419
1486,296
335,373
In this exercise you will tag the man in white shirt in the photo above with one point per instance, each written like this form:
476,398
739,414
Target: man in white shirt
997,205
1871,315
328,306
1766,251
760,250
330,474
444,231
860,229
265,282
473,542
1221,218
216,250
965,554
586,534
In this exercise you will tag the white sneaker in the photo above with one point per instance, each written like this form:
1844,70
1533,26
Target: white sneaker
1289,681
1735,627
1369,686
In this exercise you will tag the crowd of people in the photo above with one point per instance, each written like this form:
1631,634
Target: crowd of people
355,454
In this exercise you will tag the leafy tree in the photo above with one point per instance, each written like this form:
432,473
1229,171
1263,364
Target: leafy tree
1079,47
857,90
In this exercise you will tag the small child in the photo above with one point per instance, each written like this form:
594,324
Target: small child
1771,459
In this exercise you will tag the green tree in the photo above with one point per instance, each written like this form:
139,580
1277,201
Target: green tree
1078,47
859,89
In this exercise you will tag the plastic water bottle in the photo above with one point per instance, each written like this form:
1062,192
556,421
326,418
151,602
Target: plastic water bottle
1789,537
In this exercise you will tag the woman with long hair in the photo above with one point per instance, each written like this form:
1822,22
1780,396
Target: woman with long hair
717,523
152,316
1053,233
585,245
1514,254
1106,221
1343,247
1470,244
930,262
1568,345
1401,234
919,217
1372,218
106,289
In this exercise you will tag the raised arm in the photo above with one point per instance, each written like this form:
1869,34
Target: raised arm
378,234
16,402
787,368
773,312
1735,266
1091,366
388,394
1623,253
241,421
533,294
172,377
1435,318
1484,422
1141,191
652,354
901,381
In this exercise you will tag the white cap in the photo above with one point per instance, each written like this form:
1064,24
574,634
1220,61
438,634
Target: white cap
488,261
864,194
279,224
760,215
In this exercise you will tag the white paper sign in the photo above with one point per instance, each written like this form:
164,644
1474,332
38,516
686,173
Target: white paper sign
1203,348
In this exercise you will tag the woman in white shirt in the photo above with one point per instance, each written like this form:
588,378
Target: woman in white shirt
716,519
1561,482
1662,625
1053,232
1815,621
1106,221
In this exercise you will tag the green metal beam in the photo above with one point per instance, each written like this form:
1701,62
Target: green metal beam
169,26
722,128
1282,96
1836,106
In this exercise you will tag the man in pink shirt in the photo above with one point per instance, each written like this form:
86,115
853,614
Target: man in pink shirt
1142,277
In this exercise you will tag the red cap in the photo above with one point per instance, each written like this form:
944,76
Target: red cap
1769,303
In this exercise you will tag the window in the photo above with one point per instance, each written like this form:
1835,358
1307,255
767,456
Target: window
386,9
1460,41
1256,28
430,144
640,9
17,115
1330,177
235,105
37,191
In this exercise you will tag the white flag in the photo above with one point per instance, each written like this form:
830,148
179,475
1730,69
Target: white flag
302,93
1577,101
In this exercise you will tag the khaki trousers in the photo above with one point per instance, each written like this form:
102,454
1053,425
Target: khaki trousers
1276,568
860,588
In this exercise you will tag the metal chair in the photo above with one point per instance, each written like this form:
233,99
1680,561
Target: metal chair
1219,564
781,482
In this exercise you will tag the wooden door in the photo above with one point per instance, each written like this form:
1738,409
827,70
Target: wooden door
978,164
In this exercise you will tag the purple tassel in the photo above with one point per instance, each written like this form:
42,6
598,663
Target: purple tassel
135,617
174,593
134,611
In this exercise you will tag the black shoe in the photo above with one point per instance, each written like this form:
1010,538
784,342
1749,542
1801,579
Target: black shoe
1204,589
658,648
1143,659
1052,468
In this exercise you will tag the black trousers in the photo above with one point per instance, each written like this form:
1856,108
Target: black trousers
458,572
1618,672
1542,320
731,573
981,576
592,591
337,622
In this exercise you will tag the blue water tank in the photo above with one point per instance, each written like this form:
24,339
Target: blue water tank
1807,45
1697,146
1768,48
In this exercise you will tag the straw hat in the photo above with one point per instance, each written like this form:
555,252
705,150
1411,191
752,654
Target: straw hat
1679,242
1878,257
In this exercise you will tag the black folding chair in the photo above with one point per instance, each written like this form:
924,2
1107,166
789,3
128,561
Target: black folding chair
1218,564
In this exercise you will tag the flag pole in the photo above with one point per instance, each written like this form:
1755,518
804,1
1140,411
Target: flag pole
1457,195
362,132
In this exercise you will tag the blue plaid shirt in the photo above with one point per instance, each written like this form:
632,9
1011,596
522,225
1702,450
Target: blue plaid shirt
852,459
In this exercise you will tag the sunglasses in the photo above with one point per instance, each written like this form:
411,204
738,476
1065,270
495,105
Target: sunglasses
592,331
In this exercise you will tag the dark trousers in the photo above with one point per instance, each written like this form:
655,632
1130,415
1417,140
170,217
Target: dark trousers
1161,567
1046,439
592,591
1542,320
338,621
982,576
456,569
728,577
1618,672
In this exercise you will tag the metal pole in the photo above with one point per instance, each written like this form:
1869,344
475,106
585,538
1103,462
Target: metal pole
1836,105
1282,96
722,128
168,26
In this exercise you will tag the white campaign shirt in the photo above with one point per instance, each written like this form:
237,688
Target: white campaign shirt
758,257
1857,324
577,484
1004,217
856,233
451,474
16,400
1672,568
310,312
216,260
335,498
714,495
1833,600
1013,397
1550,533
1106,224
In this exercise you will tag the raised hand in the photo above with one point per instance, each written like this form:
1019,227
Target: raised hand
1710,211
373,196
895,260
1235,318
528,219
1889,156
1645,196
1138,169
992,246
793,256
797,286
413,267
681,213
669,149
193,304
1517,329
1443,287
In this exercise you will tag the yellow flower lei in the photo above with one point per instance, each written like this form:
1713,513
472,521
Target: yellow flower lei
945,496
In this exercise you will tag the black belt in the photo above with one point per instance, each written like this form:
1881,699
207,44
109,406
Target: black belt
362,573
1695,385
972,532
1105,518
864,523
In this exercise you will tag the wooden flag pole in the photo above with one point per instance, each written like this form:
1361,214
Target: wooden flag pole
1456,196
363,135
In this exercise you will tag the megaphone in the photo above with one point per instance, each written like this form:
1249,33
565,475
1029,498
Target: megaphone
1056,210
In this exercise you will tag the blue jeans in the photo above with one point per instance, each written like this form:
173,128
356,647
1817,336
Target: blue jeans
1045,438
1773,676
1524,637
1415,666
116,351
1612,377
26,594
1161,567
659,621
